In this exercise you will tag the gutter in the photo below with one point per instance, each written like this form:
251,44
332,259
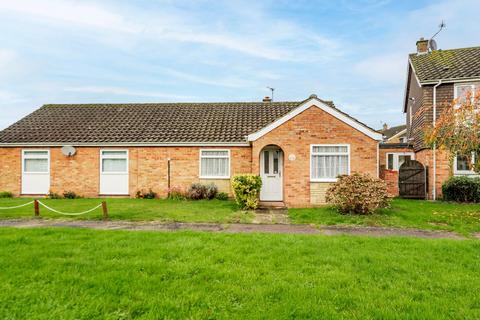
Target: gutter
434,190
127,144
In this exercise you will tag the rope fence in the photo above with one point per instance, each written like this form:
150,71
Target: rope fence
15,207
37,203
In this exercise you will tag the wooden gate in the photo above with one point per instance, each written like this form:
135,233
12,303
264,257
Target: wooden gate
412,180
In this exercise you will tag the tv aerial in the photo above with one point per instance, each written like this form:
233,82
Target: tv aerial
432,44
271,89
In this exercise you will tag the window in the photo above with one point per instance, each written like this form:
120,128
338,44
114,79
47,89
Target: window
35,161
395,160
215,163
114,161
390,164
463,165
329,161
462,90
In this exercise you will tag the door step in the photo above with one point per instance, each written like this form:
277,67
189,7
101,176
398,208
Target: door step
272,205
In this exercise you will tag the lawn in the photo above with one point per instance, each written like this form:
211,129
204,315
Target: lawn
91,274
462,218
134,209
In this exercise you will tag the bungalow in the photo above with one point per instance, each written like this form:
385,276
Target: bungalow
298,148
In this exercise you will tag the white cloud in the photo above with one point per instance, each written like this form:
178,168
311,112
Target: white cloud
80,13
228,82
278,40
126,92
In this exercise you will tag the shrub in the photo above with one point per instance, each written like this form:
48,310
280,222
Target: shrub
246,188
197,191
358,193
6,194
211,191
176,193
461,189
145,195
70,195
53,195
222,196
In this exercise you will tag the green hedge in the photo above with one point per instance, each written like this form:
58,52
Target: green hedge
461,189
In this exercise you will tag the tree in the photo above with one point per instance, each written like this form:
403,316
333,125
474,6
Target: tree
457,129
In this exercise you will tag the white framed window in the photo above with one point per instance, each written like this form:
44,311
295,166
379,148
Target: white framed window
461,91
113,161
36,161
394,160
214,164
328,161
463,165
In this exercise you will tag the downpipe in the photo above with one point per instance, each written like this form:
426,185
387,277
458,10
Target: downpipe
434,188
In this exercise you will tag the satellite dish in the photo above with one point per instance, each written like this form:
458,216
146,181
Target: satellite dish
432,45
68,151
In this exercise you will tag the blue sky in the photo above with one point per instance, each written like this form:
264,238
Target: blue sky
351,52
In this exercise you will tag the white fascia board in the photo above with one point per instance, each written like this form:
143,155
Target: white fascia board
452,80
128,144
397,134
319,104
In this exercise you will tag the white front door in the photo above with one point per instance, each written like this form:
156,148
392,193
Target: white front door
271,165
114,172
35,172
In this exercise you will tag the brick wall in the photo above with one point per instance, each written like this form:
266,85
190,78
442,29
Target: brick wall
391,179
313,126
147,169
10,170
423,116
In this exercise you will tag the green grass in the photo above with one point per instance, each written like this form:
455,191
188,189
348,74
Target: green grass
91,274
134,209
462,218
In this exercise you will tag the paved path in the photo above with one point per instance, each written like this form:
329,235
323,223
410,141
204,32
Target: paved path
233,228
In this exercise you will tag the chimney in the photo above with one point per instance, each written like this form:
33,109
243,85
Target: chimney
422,46
267,99
385,126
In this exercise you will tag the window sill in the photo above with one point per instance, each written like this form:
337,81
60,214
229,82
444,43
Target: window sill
324,180
215,178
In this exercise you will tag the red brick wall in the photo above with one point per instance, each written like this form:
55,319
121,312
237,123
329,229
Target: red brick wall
10,169
147,165
314,126
391,179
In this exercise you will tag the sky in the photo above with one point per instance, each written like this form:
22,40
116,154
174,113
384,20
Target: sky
351,52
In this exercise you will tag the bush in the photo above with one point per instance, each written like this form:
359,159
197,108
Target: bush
246,188
70,195
211,191
222,196
53,195
197,191
145,195
176,193
6,194
461,189
358,193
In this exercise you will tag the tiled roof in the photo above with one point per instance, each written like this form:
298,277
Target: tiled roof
155,123
390,132
447,64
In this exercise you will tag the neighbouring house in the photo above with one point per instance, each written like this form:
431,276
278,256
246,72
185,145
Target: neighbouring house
434,79
298,148
394,149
